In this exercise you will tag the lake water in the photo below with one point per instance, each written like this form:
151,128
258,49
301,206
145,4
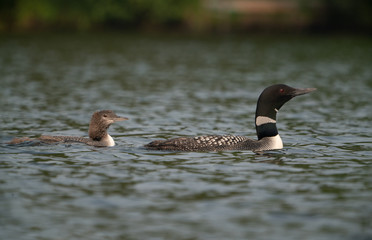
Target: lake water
318,187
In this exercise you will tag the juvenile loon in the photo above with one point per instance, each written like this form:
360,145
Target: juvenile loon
268,104
98,135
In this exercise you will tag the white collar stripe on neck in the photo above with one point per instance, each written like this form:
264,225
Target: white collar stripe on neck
260,120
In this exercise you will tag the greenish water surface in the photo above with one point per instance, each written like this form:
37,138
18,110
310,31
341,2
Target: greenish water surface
318,187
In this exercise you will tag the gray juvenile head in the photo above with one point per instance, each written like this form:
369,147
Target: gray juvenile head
100,122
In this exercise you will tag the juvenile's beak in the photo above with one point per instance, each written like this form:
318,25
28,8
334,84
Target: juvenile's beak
118,118
301,91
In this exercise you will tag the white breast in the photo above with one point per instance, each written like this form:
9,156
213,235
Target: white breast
276,142
270,143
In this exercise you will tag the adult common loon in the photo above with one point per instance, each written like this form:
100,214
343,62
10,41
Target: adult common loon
268,104
98,136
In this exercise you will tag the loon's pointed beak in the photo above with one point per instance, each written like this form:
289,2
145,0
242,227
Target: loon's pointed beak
301,91
118,119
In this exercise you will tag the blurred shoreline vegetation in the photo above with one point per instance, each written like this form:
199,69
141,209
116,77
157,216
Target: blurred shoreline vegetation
187,15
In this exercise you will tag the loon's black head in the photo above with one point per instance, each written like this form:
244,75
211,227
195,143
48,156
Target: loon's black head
100,122
275,96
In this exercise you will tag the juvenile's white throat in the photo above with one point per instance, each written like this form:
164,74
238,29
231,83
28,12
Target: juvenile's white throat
110,141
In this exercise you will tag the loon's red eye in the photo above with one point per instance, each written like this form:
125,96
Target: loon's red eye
281,90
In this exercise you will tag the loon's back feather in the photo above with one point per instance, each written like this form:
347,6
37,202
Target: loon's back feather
65,139
204,143
46,139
